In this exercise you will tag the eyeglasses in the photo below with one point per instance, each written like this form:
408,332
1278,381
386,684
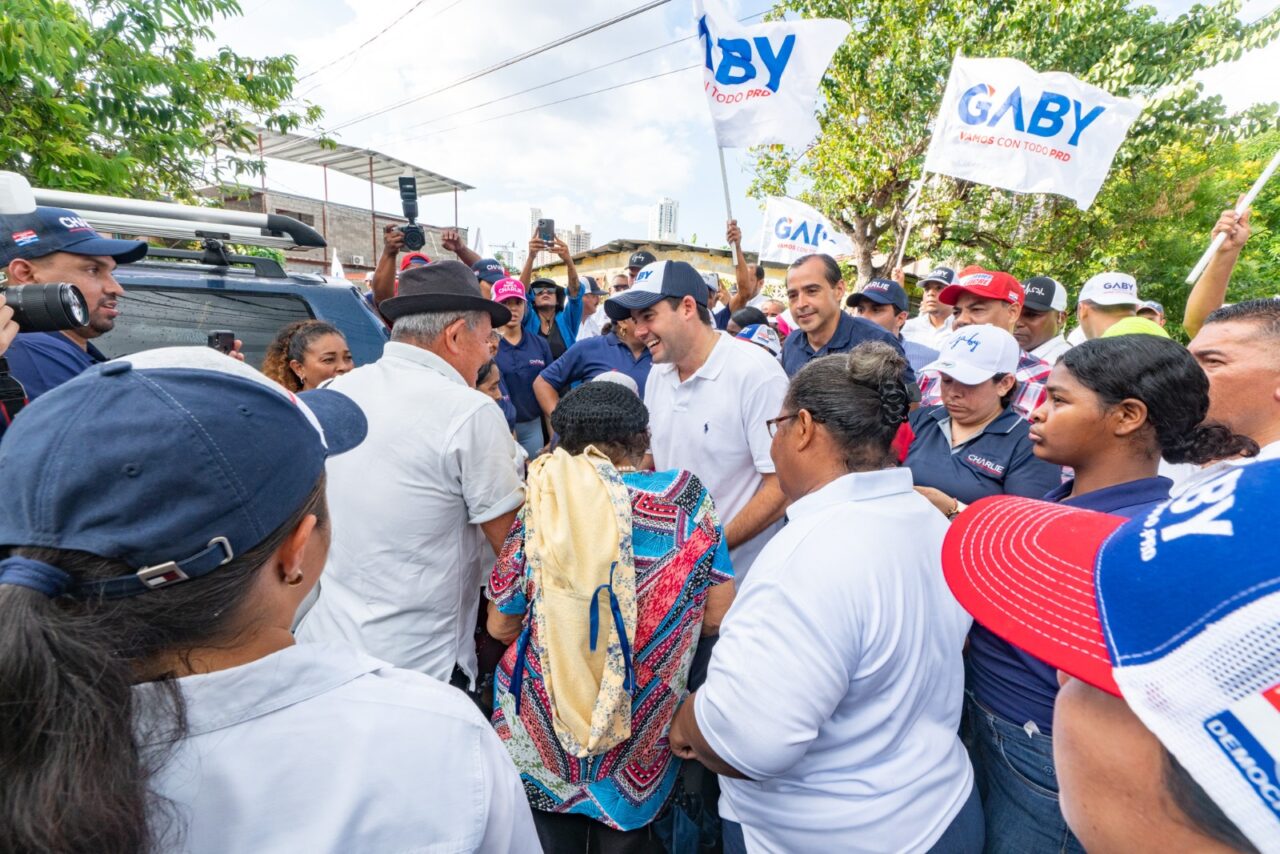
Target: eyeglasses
541,289
772,423
617,289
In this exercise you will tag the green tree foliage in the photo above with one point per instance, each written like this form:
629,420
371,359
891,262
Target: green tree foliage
884,88
123,97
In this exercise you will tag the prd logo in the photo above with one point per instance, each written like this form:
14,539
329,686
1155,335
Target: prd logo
1048,118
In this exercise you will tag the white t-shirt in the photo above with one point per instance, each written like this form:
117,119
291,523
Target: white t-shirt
921,330
320,748
847,626
1077,337
405,565
1051,351
591,326
713,424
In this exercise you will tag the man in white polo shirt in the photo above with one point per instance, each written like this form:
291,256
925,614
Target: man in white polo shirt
433,480
1105,300
709,396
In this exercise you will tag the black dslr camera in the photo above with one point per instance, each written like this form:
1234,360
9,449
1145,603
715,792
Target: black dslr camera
38,308
47,308
414,237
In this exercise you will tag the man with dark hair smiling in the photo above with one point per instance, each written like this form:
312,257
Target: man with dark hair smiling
815,291
709,396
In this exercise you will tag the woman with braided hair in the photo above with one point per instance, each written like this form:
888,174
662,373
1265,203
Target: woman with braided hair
1115,407
833,698
610,580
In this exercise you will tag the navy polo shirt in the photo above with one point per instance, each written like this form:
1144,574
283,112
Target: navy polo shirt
42,361
721,317
508,408
592,357
1018,686
520,365
997,461
850,332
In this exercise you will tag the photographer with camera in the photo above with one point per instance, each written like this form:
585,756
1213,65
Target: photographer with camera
8,326
54,246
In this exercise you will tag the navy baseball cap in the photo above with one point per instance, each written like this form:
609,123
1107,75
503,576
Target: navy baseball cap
489,270
172,460
1150,305
943,275
642,258
1044,293
881,292
45,231
655,282
593,287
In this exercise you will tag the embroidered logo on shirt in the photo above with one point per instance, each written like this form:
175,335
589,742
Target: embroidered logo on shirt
537,363
985,464
1248,732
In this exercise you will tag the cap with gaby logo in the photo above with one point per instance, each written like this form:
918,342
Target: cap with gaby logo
1176,612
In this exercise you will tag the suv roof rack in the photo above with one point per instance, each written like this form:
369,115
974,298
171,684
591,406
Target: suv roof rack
216,256
184,222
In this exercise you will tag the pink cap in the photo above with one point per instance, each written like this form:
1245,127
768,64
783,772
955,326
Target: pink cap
508,288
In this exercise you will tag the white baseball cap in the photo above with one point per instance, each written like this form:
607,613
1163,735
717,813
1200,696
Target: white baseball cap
1110,289
975,354
619,378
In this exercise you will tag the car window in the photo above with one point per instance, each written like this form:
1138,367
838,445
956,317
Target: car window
162,317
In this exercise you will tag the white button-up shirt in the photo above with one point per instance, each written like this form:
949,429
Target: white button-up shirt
921,330
405,565
713,424
320,748
1052,350
846,624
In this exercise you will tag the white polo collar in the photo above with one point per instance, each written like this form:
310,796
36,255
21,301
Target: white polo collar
855,486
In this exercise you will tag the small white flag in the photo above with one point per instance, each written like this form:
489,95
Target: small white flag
792,229
335,267
1005,125
761,81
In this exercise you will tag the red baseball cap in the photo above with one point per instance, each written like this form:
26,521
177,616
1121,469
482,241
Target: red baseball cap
414,259
988,284
1024,570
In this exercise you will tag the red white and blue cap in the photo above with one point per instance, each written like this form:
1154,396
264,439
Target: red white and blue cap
171,460
1177,612
764,335
47,230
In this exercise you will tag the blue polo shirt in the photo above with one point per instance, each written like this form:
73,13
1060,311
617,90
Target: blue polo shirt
721,317
42,361
1018,686
850,332
997,461
592,357
918,355
508,408
520,366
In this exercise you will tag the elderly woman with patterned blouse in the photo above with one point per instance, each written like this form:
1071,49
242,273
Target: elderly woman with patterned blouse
606,583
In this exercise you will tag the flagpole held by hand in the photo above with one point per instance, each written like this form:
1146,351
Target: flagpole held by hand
1243,206
728,205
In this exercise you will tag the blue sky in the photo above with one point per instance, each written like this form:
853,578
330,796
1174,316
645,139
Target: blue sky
600,161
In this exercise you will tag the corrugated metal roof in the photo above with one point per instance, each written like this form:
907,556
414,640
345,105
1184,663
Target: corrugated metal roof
363,163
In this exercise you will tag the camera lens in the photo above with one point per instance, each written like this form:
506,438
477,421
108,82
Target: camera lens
47,308
414,237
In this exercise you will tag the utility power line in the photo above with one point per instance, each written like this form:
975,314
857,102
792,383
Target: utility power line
388,28
617,19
